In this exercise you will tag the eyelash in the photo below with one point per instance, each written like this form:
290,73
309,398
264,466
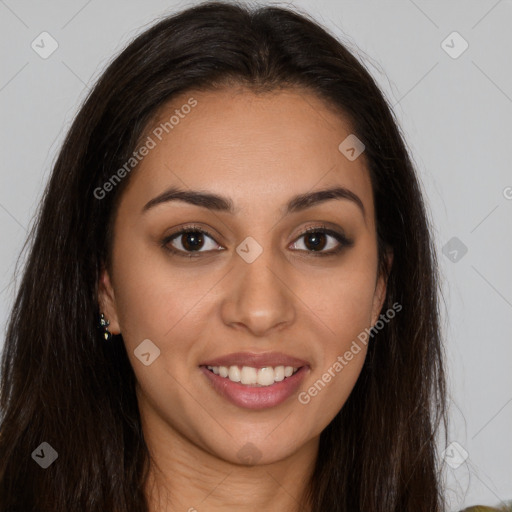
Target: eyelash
342,240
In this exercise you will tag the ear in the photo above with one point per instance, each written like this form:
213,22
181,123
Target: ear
381,287
107,302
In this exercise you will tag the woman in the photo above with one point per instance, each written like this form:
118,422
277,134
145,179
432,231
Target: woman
235,208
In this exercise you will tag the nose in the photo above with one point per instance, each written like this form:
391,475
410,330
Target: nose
260,297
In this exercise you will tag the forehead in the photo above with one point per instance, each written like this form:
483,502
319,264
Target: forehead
250,146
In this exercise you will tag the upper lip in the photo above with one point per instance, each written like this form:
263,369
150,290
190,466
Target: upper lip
255,360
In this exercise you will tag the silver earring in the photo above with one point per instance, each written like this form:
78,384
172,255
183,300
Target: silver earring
103,324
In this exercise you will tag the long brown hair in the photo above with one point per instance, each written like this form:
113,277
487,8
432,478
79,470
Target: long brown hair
63,385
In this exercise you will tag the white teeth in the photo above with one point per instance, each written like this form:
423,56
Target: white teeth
253,376
279,373
266,376
249,375
234,373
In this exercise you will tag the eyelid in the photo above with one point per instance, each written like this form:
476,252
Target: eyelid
340,237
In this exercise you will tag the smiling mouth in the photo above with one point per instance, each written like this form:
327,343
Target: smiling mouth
256,377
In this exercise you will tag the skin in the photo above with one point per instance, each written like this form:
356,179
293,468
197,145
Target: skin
259,150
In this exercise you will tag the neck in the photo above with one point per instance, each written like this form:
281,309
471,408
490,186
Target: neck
183,477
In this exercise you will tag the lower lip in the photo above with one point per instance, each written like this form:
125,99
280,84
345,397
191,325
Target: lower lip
252,397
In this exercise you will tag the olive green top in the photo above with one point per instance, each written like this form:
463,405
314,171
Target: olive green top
482,508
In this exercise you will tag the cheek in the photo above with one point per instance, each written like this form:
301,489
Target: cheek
343,300
345,313
342,307
151,300
350,306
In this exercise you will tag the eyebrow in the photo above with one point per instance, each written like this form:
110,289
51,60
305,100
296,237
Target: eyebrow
224,204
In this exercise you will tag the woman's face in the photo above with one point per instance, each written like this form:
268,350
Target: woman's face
255,292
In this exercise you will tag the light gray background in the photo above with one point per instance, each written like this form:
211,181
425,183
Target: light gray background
456,117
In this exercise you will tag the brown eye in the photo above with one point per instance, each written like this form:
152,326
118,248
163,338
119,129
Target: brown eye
316,239
192,240
188,241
